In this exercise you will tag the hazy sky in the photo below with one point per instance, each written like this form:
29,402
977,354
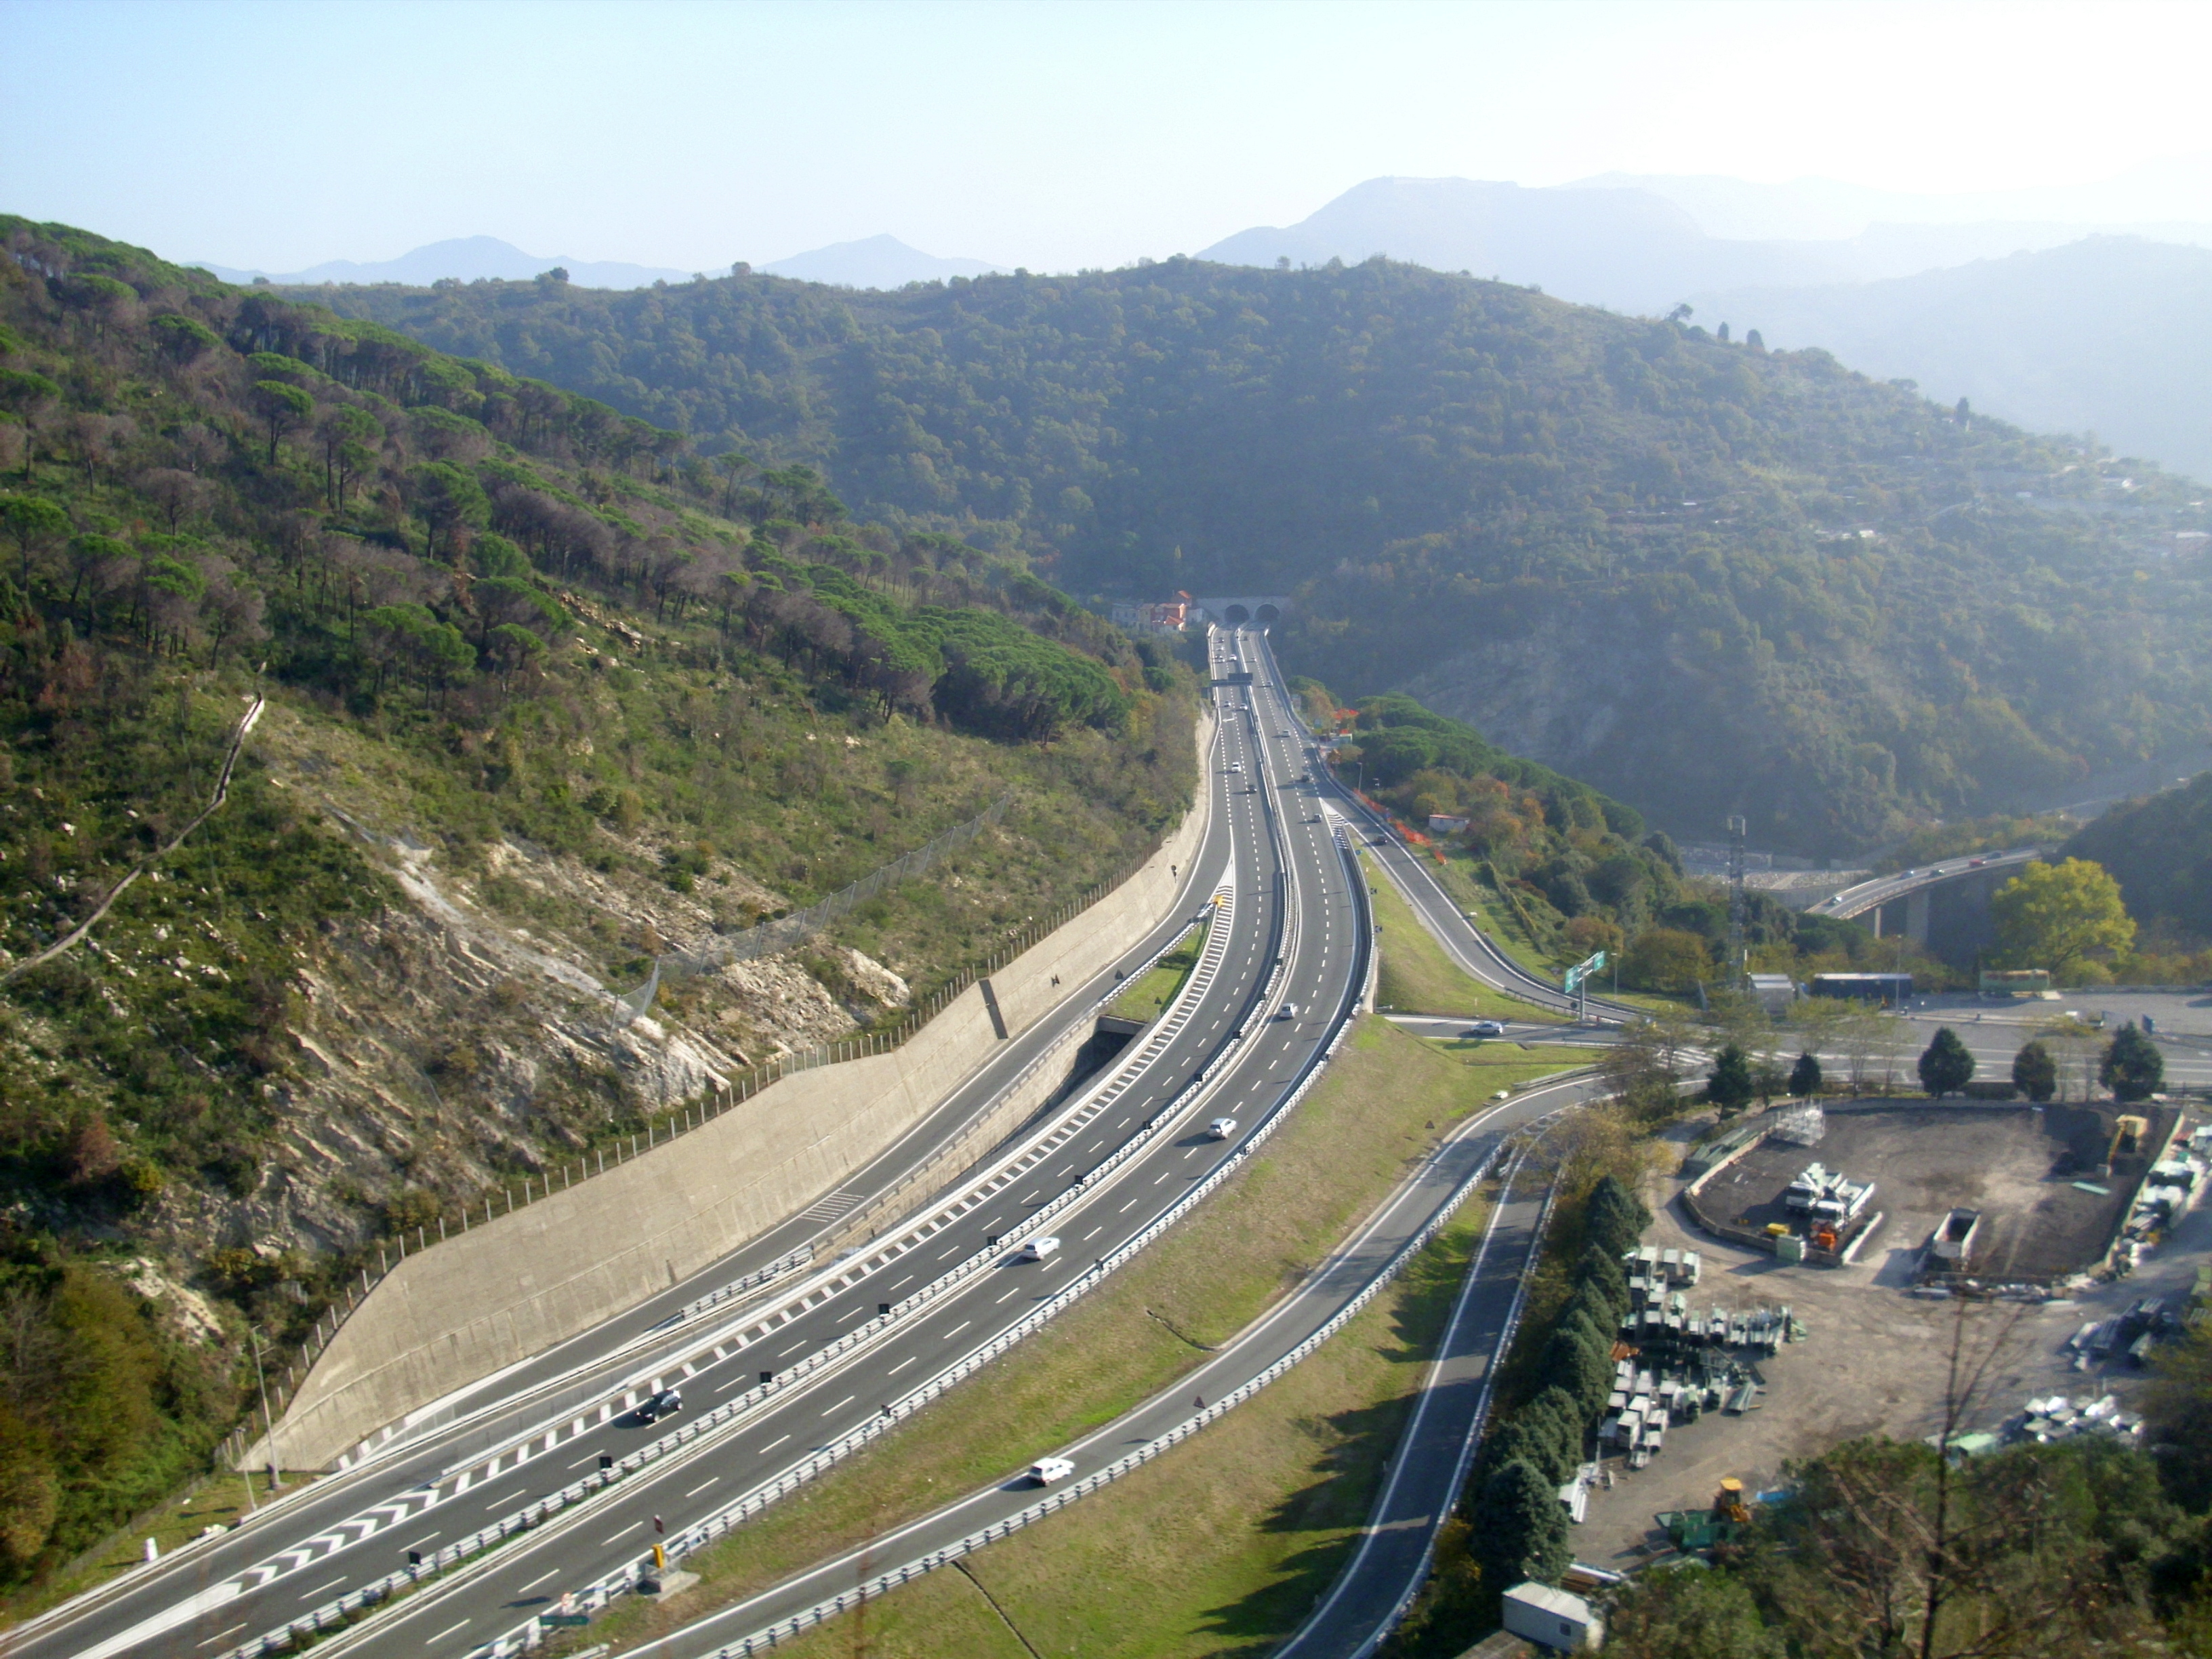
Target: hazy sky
1052,135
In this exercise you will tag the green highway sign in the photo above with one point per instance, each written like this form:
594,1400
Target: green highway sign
1583,971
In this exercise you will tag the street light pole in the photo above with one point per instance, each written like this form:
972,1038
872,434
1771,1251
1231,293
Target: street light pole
268,1420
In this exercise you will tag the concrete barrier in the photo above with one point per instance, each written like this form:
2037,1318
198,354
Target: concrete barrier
516,1286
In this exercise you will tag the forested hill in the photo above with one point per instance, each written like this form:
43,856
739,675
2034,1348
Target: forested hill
545,696
1704,576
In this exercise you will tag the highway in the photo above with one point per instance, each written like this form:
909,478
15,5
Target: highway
1883,890
1434,1450
1286,893
1292,898
1425,1469
490,1456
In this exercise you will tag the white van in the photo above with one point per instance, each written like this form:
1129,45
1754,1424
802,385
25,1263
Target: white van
1037,1248
1046,1470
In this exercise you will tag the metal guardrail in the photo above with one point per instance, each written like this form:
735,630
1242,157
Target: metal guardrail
750,1503
343,1610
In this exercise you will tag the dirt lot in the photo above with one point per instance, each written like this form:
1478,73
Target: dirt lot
2015,1165
1875,1361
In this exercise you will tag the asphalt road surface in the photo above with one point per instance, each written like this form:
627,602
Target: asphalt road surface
1424,1472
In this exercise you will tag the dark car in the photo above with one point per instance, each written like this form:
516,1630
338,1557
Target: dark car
666,1403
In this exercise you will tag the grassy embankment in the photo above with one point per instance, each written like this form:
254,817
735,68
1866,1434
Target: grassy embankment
1153,990
1229,1538
1497,918
1417,977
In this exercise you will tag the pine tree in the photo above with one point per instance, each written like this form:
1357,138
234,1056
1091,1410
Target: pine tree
2133,1068
1520,1527
1602,1276
1805,1076
2035,1072
1946,1066
1534,1440
1731,1085
1578,1358
1570,1422
1613,1217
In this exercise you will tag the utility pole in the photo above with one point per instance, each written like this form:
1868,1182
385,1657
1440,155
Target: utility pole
268,1422
1738,911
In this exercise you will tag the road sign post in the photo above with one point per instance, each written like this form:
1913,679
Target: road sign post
1577,983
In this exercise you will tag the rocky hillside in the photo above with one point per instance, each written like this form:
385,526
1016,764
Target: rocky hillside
542,696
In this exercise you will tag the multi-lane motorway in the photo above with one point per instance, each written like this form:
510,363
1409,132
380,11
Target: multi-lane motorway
1276,865
1424,1473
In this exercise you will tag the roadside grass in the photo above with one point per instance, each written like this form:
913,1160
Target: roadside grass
1156,988
1417,977
1387,1100
1497,918
1222,1545
217,1501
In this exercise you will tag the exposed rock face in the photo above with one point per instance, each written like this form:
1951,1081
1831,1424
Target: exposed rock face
485,1025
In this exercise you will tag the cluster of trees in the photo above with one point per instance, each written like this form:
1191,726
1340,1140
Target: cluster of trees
1749,580
2158,851
416,529
100,1412
1517,1530
2129,1063
1577,869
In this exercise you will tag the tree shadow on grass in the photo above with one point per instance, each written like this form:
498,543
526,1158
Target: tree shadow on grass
1354,1445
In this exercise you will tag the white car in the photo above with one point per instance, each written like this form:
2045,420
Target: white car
1221,1128
1486,1028
1037,1248
1047,1470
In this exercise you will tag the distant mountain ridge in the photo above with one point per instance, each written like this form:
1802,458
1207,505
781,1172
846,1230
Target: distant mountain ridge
462,258
1626,245
874,261
871,262
2111,334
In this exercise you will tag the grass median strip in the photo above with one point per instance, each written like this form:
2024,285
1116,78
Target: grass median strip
1387,1100
1154,989
1221,1545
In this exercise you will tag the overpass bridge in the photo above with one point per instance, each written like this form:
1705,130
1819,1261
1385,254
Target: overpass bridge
1944,906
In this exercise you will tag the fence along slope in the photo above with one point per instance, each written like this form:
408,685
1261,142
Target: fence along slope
515,1285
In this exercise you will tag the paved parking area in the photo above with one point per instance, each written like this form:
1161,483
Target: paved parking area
1875,1361
2017,1166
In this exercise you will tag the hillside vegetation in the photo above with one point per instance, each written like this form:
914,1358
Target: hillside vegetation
546,696
1707,577
1563,871
2159,851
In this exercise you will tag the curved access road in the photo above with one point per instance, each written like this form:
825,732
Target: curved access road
1474,952
1424,1473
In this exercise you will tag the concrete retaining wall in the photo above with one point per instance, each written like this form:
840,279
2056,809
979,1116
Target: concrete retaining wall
516,1286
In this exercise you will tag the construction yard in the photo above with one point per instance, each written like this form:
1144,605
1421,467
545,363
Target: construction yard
1875,1359
2018,1166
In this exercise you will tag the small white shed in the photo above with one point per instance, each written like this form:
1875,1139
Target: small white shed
1552,1617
